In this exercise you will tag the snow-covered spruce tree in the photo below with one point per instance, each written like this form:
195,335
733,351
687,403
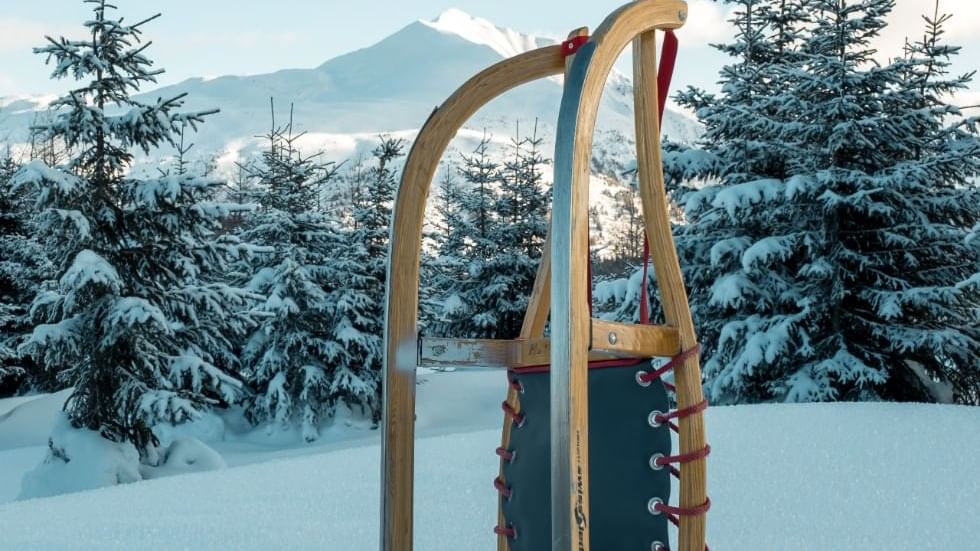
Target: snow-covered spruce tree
626,229
522,226
467,309
860,284
446,264
745,292
139,322
499,226
926,292
887,257
19,253
359,295
304,356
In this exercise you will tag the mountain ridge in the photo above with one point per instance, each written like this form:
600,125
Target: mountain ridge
390,86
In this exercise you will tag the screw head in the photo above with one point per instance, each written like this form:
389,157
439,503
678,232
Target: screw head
682,16
613,337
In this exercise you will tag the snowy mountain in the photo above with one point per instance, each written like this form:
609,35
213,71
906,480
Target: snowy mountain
391,86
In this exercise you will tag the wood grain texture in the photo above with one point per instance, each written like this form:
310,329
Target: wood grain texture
535,320
401,315
569,319
633,340
570,316
693,481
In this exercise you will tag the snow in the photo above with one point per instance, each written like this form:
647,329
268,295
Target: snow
27,421
505,42
130,311
90,268
185,455
802,477
80,459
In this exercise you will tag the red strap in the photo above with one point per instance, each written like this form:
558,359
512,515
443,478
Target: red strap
668,59
572,45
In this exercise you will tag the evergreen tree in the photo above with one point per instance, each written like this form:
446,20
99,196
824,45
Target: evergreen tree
627,230
467,308
499,225
362,264
138,321
18,251
446,264
372,206
522,219
298,358
831,258
743,160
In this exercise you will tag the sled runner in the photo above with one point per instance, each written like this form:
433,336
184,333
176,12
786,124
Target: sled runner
586,448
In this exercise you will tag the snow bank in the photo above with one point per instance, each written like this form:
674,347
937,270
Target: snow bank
27,421
80,459
185,455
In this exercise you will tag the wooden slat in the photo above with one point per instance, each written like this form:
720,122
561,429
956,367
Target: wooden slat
569,390
693,482
535,319
632,340
490,353
569,313
401,316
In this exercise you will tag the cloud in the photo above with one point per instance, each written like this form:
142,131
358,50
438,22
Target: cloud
24,34
8,85
707,23
906,22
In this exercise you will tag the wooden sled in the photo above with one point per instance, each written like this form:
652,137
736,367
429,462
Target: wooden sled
561,288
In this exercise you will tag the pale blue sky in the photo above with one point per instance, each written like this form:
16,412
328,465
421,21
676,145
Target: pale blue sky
217,37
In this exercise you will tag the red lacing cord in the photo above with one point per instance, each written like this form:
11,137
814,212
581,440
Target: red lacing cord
508,455
661,418
517,418
671,364
674,512
665,460
502,488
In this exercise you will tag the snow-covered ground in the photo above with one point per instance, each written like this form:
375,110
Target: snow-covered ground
782,477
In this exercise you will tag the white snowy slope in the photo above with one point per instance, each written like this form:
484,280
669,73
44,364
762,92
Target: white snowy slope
864,477
391,86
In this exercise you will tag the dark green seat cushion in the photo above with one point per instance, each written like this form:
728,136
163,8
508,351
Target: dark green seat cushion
621,443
